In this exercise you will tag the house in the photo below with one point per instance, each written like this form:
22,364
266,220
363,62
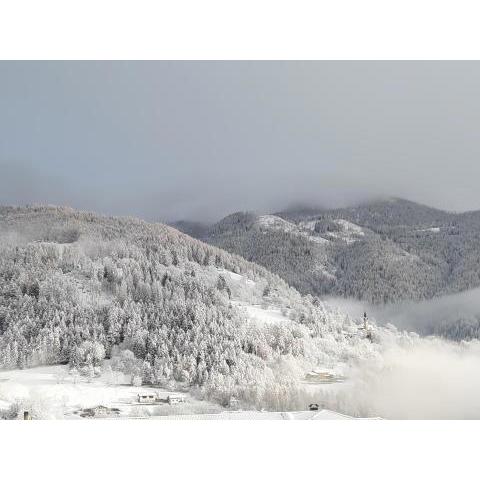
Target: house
146,398
175,398
99,411
320,377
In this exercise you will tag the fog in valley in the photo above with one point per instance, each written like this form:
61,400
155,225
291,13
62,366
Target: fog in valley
421,317
424,377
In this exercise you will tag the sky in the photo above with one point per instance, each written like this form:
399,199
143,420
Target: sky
198,140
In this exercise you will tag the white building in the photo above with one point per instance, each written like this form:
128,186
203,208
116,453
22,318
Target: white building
146,398
175,398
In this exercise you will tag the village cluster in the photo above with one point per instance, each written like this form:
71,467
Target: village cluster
146,398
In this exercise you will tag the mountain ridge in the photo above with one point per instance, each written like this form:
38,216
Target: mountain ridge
381,251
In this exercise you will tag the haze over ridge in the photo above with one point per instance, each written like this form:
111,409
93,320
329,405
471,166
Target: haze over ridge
172,140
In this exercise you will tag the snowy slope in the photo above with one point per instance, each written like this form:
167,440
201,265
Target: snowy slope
53,392
262,315
76,287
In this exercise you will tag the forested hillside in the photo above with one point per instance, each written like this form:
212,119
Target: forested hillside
76,287
385,251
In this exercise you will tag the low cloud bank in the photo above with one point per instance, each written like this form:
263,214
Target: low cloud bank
417,377
428,379
420,317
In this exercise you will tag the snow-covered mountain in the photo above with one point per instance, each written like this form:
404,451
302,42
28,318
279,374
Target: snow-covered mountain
119,300
76,287
384,251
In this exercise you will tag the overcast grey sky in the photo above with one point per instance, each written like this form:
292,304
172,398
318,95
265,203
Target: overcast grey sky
176,140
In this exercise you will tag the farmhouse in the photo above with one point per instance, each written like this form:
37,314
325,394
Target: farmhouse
175,398
146,398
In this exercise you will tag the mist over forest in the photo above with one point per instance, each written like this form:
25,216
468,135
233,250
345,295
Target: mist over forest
455,316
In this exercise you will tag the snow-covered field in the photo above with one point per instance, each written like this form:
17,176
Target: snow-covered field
432,229
50,392
304,229
349,233
235,276
263,415
260,315
246,295
54,392
275,222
